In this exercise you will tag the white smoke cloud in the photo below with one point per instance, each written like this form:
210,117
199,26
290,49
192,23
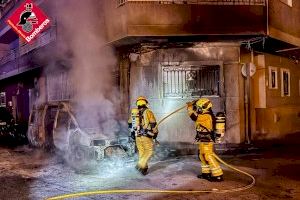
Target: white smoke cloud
81,35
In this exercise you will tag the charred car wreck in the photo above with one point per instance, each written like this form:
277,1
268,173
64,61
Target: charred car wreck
53,125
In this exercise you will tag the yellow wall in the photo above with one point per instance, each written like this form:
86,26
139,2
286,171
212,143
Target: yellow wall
274,98
284,21
281,115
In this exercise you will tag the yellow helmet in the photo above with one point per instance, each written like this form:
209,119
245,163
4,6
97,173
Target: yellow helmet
203,105
141,101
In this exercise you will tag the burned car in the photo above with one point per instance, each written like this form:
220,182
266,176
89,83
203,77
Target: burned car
55,126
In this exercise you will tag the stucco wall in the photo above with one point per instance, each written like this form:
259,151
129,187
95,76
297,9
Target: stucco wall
145,80
154,19
281,115
274,98
284,21
115,20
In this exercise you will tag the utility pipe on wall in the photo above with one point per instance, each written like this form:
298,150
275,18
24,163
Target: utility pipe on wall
248,101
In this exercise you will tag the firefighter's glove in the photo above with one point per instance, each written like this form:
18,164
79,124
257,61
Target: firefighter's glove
190,107
189,104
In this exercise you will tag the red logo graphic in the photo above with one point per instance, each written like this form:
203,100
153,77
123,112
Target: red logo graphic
28,21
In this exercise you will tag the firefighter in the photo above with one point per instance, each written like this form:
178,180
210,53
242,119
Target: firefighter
200,111
143,126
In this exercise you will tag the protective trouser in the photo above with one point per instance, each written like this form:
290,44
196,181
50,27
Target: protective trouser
208,163
145,150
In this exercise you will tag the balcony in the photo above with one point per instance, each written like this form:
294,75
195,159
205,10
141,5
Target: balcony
135,19
6,6
19,60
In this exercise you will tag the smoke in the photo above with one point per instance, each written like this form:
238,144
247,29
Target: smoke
80,65
81,39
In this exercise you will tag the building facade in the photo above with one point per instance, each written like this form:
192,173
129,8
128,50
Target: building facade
175,51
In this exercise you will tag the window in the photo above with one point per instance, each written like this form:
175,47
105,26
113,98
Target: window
191,81
285,82
288,2
273,80
2,99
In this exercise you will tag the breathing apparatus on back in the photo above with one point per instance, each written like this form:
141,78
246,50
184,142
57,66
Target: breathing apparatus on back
204,106
140,126
136,119
220,123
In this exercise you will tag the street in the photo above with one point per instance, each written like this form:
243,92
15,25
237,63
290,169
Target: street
34,174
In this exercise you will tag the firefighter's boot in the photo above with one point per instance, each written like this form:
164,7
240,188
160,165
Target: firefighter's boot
206,176
143,171
216,178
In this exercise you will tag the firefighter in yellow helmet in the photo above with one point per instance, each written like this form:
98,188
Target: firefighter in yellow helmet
200,111
143,127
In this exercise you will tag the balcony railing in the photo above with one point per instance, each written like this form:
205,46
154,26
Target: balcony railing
42,40
19,60
205,2
6,6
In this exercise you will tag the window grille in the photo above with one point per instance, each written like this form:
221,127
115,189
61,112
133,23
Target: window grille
191,81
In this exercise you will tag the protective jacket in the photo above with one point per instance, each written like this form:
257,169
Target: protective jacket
204,124
147,125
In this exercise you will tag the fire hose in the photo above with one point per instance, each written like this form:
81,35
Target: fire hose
126,191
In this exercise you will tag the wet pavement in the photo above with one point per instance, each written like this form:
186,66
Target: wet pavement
27,173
